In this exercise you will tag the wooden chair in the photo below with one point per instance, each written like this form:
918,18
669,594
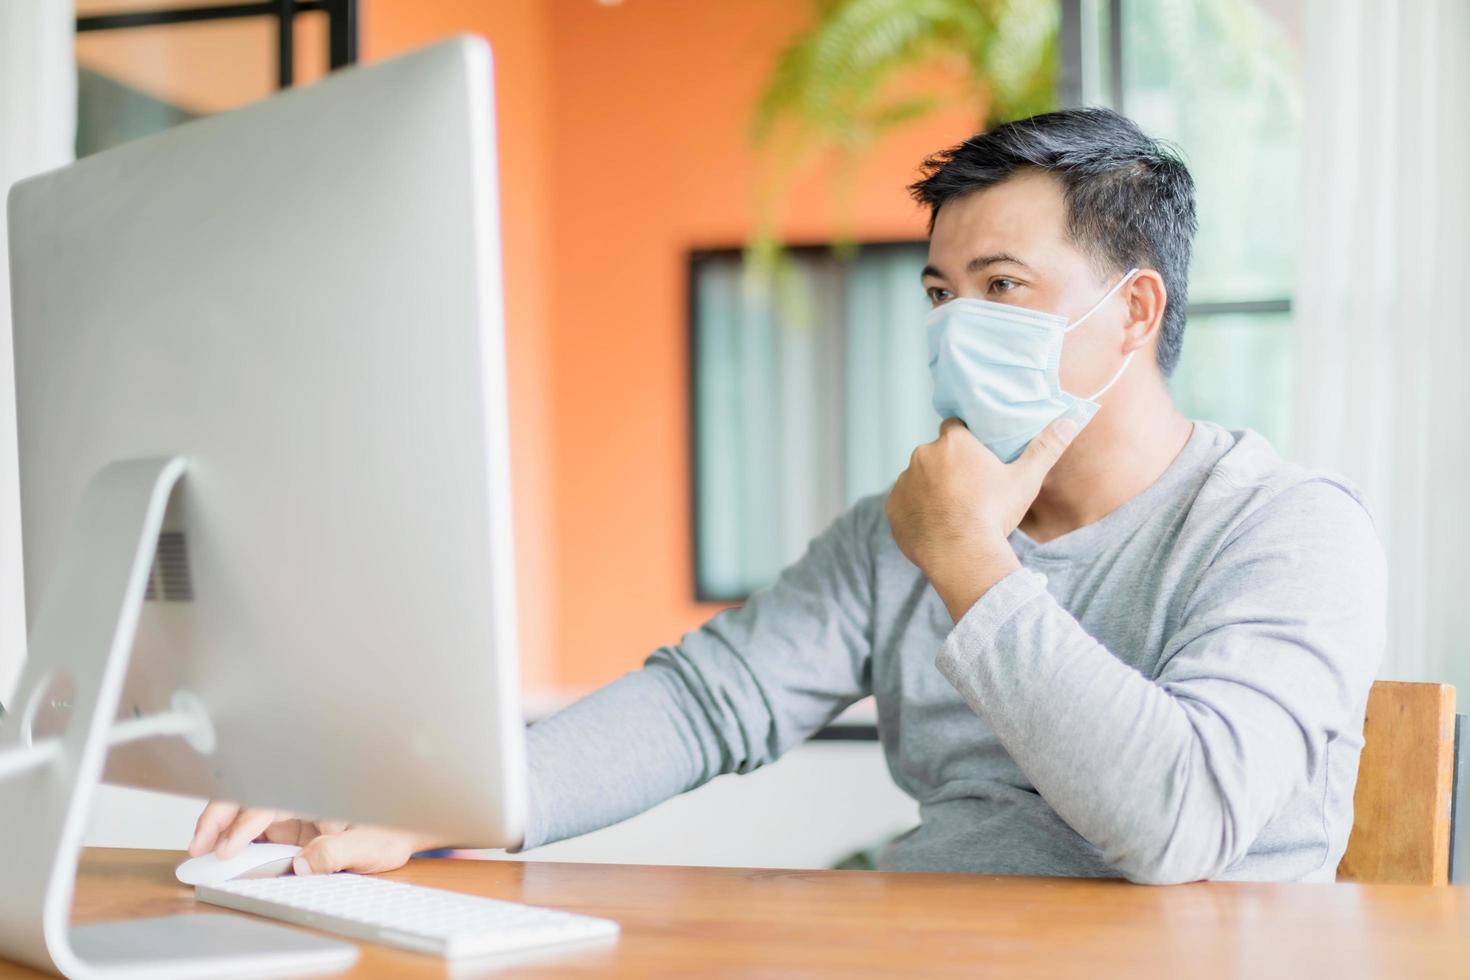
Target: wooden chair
1403,809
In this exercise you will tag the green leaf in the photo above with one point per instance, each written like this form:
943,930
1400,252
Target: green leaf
828,89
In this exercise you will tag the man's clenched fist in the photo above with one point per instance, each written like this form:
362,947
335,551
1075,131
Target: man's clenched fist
953,508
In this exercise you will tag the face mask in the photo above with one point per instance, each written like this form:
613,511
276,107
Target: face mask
995,368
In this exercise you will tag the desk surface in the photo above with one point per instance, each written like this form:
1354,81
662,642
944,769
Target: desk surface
721,921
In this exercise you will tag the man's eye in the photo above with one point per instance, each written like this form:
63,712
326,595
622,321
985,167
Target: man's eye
937,295
1000,284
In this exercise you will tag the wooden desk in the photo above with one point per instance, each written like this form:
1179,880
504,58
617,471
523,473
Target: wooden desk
716,921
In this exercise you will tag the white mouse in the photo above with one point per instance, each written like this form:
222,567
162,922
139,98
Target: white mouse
255,861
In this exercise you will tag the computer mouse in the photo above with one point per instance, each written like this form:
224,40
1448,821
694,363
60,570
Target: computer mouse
255,861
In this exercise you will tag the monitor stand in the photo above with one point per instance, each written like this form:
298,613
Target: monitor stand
78,656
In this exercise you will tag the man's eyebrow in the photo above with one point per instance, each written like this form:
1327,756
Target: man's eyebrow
982,261
976,264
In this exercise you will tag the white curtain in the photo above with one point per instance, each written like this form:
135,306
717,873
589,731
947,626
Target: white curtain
1382,304
37,132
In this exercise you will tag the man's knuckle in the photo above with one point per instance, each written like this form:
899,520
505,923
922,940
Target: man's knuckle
326,854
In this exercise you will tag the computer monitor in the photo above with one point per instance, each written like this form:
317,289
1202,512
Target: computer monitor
296,305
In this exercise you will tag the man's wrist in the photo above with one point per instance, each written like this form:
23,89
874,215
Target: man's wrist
962,582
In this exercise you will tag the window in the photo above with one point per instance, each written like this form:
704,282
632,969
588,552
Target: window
812,396
1221,80
808,396
146,65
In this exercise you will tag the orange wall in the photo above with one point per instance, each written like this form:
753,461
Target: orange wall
650,108
623,144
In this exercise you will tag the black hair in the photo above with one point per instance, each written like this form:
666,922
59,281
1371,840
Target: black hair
1130,199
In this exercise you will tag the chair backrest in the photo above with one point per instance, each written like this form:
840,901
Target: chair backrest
1402,807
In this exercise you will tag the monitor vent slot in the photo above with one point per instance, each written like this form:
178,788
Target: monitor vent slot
168,580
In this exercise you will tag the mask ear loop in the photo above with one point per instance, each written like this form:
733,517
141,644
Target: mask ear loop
1095,307
1098,305
1114,379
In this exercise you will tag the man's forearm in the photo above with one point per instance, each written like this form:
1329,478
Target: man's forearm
611,755
1127,765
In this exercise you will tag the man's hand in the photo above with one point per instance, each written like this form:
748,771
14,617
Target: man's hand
326,846
953,508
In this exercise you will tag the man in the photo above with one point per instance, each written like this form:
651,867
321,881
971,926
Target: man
1103,640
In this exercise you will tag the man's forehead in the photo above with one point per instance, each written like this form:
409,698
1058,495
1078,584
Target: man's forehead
1024,216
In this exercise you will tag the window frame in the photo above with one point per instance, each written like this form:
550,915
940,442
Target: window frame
1071,94
342,21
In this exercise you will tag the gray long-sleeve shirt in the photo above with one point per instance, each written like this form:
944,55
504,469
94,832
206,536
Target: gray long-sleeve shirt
1173,692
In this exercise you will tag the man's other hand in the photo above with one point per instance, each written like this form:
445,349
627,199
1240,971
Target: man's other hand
954,507
326,845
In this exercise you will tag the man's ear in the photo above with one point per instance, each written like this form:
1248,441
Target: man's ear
1146,297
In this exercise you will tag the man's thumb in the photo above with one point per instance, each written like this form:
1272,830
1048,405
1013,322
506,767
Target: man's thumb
324,854
1044,451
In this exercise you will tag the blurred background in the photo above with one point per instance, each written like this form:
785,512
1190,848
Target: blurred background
712,262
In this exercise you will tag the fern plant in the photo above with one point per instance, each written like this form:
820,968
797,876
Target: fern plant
832,88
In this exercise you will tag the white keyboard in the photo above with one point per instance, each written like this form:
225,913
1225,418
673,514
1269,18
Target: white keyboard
423,920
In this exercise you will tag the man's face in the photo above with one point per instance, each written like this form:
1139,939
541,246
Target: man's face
1009,244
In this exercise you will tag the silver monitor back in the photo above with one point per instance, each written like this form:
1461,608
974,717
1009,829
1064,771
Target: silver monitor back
302,298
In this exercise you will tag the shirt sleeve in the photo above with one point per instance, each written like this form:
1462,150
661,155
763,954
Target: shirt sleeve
730,697
1173,777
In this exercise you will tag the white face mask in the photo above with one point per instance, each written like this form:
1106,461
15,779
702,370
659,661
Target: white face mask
995,368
